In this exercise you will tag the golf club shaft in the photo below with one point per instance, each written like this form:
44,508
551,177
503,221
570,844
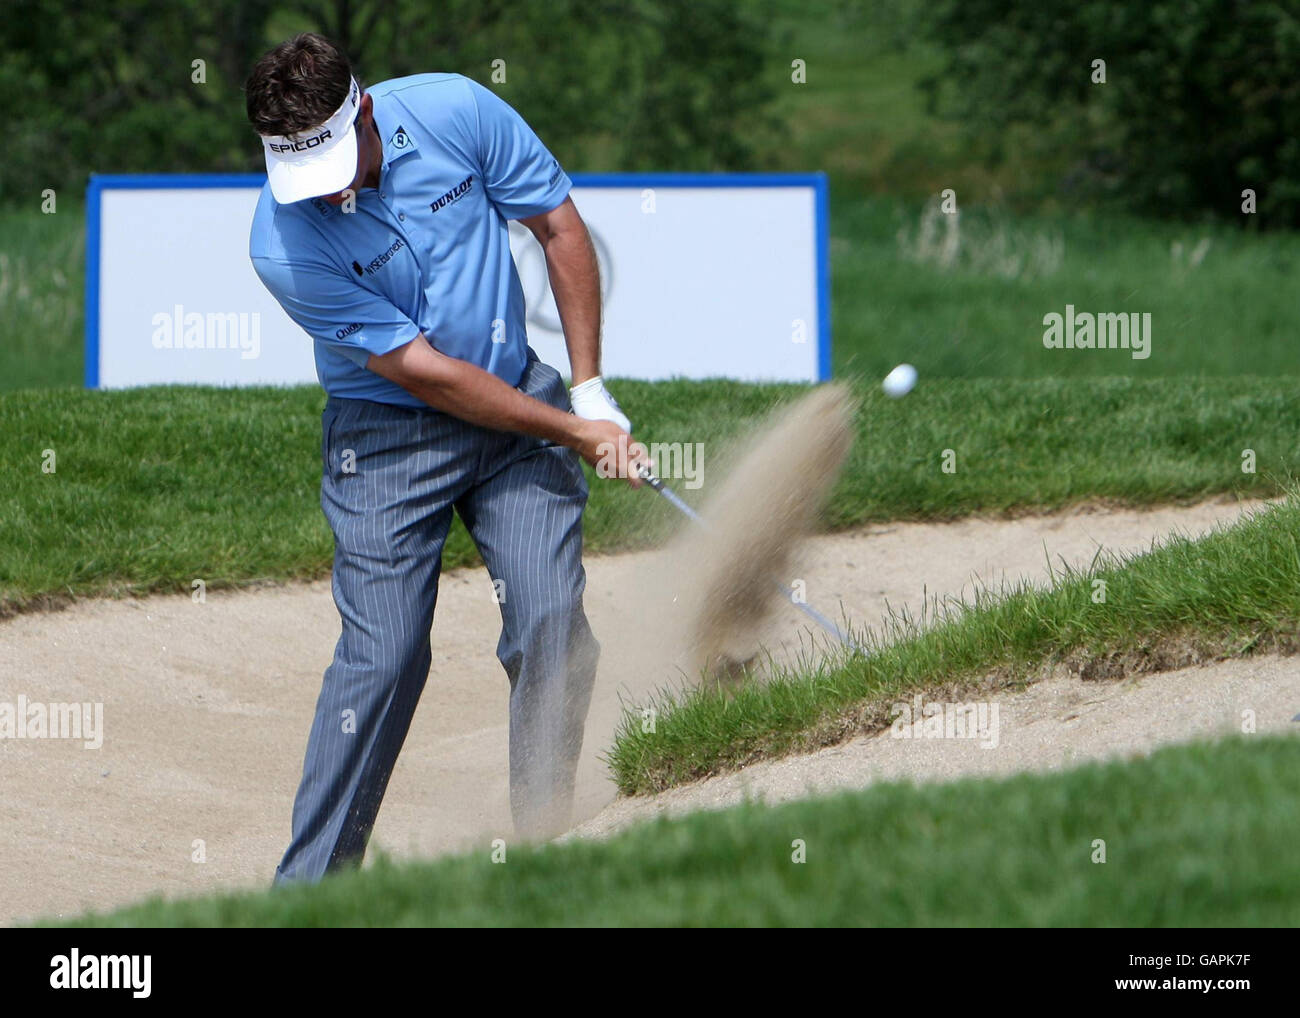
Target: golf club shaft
671,495
658,485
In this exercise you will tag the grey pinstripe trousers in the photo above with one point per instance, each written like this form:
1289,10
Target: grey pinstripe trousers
390,481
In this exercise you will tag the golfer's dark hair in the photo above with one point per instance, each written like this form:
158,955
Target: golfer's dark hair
297,86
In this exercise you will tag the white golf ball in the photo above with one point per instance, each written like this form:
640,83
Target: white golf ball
899,382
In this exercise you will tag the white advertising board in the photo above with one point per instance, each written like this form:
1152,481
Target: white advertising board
703,276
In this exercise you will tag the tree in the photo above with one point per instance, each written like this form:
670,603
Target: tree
645,84
1200,99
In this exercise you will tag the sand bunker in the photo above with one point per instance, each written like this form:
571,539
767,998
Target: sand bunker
207,709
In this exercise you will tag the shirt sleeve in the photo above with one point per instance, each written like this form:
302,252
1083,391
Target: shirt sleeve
520,175
334,310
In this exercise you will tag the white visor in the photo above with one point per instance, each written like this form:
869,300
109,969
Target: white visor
316,162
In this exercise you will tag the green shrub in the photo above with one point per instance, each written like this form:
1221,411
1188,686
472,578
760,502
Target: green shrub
1200,99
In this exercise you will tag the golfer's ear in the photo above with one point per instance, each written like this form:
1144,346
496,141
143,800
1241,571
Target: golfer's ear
367,109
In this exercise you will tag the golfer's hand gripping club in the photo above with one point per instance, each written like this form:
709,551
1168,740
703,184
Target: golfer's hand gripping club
610,449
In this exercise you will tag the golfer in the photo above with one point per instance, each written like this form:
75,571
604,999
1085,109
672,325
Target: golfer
383,232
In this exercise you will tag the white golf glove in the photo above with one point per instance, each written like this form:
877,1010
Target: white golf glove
592,402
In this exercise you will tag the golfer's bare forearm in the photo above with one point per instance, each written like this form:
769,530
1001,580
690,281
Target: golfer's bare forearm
574,274
466,391
575,281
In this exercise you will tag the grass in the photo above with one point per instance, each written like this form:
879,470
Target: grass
895,300
153,488
1198,835
42,274
1227,593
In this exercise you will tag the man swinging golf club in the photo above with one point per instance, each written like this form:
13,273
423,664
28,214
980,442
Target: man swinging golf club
383,232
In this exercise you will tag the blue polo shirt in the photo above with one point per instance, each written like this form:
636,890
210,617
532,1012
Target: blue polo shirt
428,251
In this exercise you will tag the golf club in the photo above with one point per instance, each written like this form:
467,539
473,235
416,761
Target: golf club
647,474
